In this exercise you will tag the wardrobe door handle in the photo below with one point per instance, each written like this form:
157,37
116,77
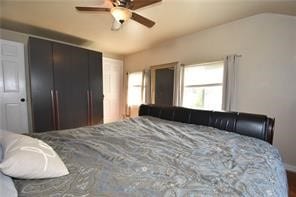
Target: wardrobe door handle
91,107
53,109
88,107
57,109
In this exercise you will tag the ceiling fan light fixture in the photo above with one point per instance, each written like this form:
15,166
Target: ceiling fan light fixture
121,14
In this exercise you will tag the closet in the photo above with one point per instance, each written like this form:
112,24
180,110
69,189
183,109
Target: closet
66,86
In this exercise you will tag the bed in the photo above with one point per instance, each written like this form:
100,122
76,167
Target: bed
166,151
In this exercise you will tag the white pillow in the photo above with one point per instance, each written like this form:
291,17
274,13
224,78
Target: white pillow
29,158
7,187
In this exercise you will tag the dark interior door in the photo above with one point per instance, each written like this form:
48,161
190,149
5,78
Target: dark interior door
96,86
71,85
41,74
164,86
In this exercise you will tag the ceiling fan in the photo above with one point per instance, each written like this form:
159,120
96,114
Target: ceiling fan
121,11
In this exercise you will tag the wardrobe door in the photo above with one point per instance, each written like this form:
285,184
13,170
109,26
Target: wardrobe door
95,87
71,85
41,74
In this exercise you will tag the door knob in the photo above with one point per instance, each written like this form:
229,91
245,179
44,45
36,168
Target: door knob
23,99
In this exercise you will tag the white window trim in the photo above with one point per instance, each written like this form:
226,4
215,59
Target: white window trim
203,85
205,63
139,86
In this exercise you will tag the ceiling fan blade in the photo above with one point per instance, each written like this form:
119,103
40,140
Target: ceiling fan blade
144,21
116,25
108,3
81,8
136,4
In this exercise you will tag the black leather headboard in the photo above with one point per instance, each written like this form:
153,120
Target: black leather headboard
253,125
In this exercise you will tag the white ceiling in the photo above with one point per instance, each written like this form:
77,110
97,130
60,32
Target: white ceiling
174,18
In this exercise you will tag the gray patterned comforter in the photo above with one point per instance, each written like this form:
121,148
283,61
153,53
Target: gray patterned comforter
146,156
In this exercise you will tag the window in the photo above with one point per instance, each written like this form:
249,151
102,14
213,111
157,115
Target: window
203,86
135,88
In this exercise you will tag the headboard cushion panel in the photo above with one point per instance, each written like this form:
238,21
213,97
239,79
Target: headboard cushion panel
181,115
199,117
223,120
253,125
167,114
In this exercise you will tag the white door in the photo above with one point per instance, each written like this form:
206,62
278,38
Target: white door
113,86
13,100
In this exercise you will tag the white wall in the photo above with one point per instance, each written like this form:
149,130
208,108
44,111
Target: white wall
266,74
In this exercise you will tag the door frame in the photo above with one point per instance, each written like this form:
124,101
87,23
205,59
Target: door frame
153,71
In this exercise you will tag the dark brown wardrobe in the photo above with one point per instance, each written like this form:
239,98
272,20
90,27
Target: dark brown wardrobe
66,86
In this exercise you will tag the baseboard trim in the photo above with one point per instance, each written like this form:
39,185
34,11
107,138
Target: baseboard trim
290,167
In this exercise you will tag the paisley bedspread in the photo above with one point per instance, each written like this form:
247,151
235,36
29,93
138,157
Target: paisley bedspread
146,156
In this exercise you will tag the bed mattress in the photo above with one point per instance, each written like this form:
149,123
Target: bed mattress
147,156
